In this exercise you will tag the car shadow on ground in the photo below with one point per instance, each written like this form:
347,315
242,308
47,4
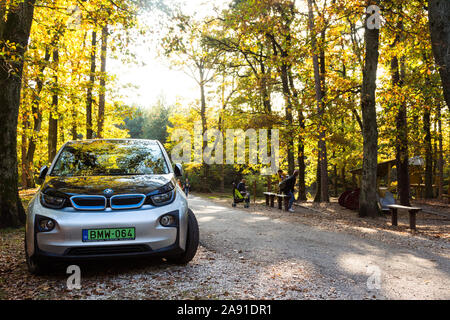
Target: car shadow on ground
110,267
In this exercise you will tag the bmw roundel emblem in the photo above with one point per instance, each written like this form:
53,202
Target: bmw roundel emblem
108,191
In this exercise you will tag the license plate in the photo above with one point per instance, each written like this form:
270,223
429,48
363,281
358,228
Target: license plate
109,234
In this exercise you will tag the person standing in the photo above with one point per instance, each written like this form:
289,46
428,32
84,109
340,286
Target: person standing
186,187
281,176
289,189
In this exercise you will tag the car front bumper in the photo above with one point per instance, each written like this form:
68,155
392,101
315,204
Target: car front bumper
65,242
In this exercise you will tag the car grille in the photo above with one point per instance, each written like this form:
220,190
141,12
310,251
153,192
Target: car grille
88,202
117,202
98,250
127,201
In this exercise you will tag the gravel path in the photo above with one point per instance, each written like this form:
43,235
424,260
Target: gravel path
336,264
255,254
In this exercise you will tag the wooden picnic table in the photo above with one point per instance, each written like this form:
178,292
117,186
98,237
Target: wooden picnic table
270,198
281,198
412,214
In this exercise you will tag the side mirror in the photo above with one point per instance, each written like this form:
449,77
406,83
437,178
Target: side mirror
42,174
178,169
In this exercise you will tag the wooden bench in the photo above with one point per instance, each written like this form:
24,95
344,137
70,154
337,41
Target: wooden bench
281,198
412,214
270,198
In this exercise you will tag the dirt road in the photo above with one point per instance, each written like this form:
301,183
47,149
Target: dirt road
346,265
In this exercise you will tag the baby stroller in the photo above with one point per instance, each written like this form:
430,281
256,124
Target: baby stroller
238,197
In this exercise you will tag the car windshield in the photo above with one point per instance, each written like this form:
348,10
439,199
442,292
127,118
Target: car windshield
110,157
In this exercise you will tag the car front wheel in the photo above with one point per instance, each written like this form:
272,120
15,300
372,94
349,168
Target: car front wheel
191,242
35,266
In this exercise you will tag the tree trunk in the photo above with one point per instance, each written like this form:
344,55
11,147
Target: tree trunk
220,128
439,19
335,181
402,155
301,161
322,187
368,205
318,196
35,110
401,143
284,71
74,129
440,155
205,166
428,153
322,143
101,98
61,128
288,115
15,29
75,99
301,144
344,183
435,153
26,181
89,98
53,115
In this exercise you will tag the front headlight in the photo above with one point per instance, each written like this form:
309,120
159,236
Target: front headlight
162,198
44,224
166,195
52,202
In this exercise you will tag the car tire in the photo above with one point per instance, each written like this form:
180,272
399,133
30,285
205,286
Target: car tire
192,241
35,266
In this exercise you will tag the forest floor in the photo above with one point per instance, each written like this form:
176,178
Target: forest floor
318,252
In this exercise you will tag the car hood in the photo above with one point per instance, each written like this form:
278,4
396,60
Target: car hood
96,185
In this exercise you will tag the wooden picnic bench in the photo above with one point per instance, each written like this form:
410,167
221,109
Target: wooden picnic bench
281,198
412,214
270,198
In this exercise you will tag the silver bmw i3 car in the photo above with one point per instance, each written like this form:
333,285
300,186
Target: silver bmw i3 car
109,198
